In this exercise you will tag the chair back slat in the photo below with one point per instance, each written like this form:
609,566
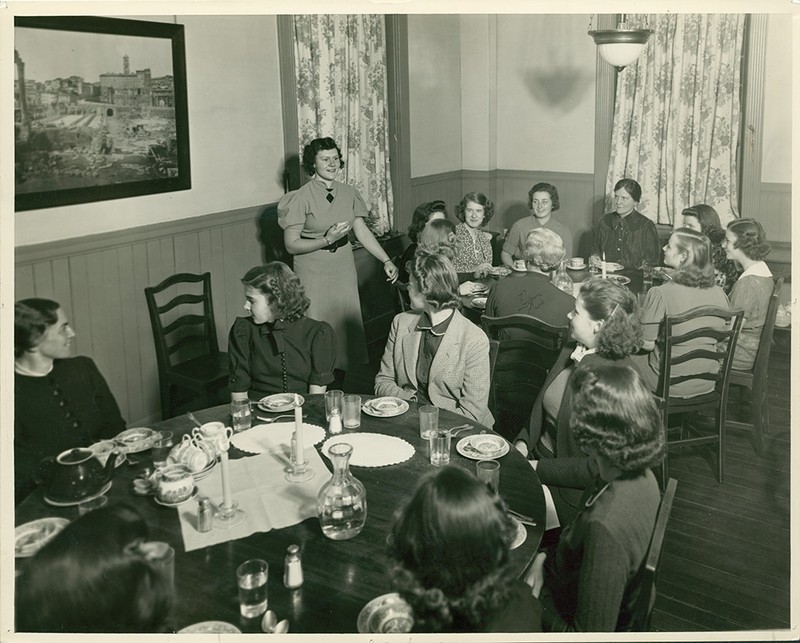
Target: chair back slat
181,299
181,322
187,340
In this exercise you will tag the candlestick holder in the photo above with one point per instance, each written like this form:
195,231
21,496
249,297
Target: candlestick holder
228,513
299,471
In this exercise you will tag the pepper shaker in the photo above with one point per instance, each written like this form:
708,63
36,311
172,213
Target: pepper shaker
205,515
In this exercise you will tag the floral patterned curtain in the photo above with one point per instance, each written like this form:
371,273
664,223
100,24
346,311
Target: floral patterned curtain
676,116
340,65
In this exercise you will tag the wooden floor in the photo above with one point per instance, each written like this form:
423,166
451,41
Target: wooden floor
725,563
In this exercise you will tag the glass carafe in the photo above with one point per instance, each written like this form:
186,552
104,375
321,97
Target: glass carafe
342,501
562,280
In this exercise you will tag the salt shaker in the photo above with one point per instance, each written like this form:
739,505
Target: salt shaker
205,515
335,424
292,569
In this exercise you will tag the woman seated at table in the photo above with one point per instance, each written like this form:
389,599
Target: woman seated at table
533,294
746,244
277,349
605,324
626,235
474,247
692,285
434,355
439,237
93,577
423,214
450,544
589,580
704,219
60,402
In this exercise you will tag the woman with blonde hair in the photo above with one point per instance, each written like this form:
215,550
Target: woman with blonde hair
434,355
692,284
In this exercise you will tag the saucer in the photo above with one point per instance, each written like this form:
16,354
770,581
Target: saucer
520,535
72,503
619,278
581,267
32,536
385,614
482,447
279,402
135,440
385,407
163,503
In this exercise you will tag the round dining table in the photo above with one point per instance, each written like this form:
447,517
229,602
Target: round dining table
341,576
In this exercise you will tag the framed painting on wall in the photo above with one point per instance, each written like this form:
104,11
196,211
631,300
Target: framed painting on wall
100,110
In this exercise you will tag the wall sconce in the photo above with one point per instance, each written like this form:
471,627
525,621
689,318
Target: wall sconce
621,46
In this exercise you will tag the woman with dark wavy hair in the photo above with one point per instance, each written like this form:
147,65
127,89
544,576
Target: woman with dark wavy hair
277,349
605,324
704,219
692,285
474,246
450,545
590,579
316,220
94,577
746,244
424,214
434,355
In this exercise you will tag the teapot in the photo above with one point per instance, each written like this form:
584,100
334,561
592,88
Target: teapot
74,474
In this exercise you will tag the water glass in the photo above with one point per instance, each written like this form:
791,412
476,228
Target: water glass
90,505
352,411
333,400
240,414
488,472
428,420
162,558
161,447
440,447
251,578
647,276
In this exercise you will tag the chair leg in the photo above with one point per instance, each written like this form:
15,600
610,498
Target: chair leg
760,409
721,417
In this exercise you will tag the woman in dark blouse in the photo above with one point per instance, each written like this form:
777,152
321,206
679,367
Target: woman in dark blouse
424,213
277,349
60,402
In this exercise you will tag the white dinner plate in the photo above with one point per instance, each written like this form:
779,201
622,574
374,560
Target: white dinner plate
612,267
520,535
210,627
385,407
32,536
482,447
279,402
385,614
619,278
72,503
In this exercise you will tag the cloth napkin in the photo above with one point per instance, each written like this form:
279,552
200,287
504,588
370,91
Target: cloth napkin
259,487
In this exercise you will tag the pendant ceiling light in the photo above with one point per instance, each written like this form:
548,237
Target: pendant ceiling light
621,46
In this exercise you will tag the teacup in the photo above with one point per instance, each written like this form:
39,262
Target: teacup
215,432
174,483
520,265
576,262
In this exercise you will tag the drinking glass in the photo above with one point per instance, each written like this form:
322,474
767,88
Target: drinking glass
333,399
428,420
647,276
90,505
161,448
162,557
440,447
240,414
352,411
488,472
251,578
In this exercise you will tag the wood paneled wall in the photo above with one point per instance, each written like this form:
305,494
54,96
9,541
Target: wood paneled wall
99,281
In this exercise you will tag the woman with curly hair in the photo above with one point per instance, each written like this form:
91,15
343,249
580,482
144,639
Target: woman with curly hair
94,577
692,285
450,545
277,349
590,579
605,324
316,220
745,243
704,219
474,247
424,214
434,355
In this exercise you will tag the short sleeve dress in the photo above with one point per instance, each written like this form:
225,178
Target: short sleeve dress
329,278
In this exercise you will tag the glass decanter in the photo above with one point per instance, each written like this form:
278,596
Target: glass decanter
562,280
342,501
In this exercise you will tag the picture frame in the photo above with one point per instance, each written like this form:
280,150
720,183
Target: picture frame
100,110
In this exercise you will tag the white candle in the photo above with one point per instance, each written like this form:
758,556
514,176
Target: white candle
299,455
604,265
226,481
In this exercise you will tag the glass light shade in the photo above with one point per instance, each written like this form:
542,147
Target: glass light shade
621,47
